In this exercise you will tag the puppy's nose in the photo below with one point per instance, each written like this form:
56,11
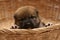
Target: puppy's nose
28,23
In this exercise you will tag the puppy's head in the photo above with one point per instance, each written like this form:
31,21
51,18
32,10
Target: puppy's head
27,17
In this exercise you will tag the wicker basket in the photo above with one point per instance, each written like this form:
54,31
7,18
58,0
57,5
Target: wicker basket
46,33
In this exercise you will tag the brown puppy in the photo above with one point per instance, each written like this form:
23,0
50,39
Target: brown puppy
27,17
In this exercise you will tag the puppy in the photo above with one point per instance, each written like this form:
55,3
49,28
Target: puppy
27,17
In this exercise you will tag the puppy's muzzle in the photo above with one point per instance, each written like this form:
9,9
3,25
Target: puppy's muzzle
27,24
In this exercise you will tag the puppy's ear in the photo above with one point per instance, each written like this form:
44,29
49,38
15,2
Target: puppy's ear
15,16
37,12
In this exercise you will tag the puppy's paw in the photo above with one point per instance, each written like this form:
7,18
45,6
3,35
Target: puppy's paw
14,27
49,24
